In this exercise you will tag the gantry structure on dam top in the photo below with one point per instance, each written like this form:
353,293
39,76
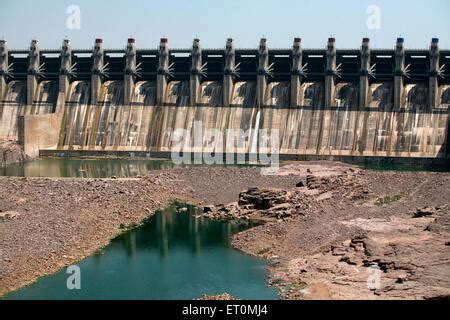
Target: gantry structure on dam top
229,64
411,119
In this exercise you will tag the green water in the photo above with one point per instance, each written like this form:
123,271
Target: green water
171,256
106,168
84,168
92,167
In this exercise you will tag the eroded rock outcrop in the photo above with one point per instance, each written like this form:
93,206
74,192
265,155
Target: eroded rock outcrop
261,203
11,152
398,258
279,204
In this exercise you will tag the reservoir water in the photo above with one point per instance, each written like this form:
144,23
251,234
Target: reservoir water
84,167
93,167
171,256
129,168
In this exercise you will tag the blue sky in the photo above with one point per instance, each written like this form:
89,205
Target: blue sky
213,21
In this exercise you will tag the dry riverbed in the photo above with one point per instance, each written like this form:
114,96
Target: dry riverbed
327,224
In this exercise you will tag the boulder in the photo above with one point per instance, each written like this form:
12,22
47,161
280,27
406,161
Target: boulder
312,182
11,152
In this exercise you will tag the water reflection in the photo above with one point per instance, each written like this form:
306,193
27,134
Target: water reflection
172,256
94,168
84,168
186,229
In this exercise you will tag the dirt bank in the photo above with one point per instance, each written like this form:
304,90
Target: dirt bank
50,223
11,152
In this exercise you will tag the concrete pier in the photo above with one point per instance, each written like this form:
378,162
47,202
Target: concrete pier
2,86
65,69
130,71
163,71
228,72
399,73
97,70
33,71
263,68
330,72
433,89
296,78
3,67
195,78
364,73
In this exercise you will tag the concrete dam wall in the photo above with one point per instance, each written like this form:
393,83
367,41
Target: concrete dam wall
322,102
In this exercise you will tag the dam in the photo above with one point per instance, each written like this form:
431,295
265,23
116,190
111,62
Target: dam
327,102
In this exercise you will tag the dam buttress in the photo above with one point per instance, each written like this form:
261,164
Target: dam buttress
323,102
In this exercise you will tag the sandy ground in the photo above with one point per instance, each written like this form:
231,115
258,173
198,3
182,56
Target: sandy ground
353,220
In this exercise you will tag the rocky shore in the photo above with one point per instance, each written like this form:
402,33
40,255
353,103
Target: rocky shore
331,230
11,152
282,204
361,235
